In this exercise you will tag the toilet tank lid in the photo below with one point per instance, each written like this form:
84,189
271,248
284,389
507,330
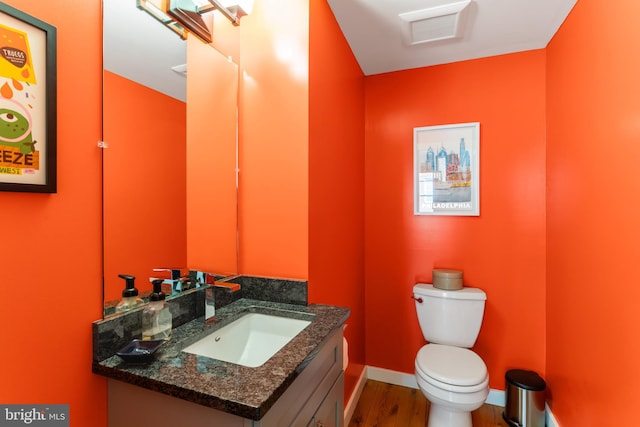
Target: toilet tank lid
464,293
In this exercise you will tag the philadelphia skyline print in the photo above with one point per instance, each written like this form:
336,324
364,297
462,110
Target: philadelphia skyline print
446,170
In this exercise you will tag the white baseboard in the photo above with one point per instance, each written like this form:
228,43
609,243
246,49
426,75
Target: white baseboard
391,377
496,397
355,396
550,419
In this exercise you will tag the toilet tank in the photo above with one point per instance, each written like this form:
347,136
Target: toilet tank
449,317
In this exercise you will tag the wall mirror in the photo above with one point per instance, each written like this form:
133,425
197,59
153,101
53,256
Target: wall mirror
169,162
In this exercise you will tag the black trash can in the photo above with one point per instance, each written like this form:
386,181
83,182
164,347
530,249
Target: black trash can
525,399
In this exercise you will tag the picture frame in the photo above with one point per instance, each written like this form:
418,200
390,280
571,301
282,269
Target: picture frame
28,97
447,169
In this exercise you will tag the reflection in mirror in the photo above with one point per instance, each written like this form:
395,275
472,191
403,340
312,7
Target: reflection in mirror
169,170
156,11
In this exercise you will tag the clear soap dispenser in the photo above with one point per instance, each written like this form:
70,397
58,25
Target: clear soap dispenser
130,299
156,316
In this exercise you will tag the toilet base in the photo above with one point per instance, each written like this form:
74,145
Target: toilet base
441,416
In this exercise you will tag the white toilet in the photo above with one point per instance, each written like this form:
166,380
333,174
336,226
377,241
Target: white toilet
452,377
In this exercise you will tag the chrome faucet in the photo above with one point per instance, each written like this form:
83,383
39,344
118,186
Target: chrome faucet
209,304
178,282
174,282
209,300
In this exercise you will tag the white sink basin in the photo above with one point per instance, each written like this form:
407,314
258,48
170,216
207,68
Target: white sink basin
249,341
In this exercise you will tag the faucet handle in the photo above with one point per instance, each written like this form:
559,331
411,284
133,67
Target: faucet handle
204,278
209,279
231,287
174,273
201,278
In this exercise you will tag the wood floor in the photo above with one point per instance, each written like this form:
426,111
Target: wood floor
387,405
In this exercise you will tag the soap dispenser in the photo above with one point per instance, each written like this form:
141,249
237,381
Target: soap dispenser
130,298
156,316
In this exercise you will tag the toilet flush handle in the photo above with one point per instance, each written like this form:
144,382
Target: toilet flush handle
419,299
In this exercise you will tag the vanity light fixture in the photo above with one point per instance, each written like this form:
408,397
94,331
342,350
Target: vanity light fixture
159,13
233,10
193,17
435,23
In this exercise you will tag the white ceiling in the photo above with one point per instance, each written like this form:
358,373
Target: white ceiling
139,48
494,27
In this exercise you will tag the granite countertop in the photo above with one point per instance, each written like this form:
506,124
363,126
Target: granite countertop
239,390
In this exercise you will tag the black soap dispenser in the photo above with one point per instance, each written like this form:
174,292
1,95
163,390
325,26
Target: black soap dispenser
156,316
130,299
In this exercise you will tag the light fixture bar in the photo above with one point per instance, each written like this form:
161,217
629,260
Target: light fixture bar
229,14
187,13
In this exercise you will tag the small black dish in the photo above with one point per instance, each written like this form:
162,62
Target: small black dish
139,351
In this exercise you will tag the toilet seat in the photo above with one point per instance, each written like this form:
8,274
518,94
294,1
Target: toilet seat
450,368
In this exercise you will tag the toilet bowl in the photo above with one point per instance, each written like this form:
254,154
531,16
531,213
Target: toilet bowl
454,380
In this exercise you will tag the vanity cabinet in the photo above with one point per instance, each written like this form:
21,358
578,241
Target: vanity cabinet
331,411
314,399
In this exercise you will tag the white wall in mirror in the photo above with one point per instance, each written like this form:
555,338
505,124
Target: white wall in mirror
152,50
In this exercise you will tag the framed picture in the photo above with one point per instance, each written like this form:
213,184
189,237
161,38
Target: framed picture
27,103
447,169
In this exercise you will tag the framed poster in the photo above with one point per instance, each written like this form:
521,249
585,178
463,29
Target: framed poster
27,103
447,169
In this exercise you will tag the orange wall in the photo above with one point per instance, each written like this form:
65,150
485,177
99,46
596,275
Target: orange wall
336,179
591,75
502,251
274,135
144,183
51,256
212,91
593,227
